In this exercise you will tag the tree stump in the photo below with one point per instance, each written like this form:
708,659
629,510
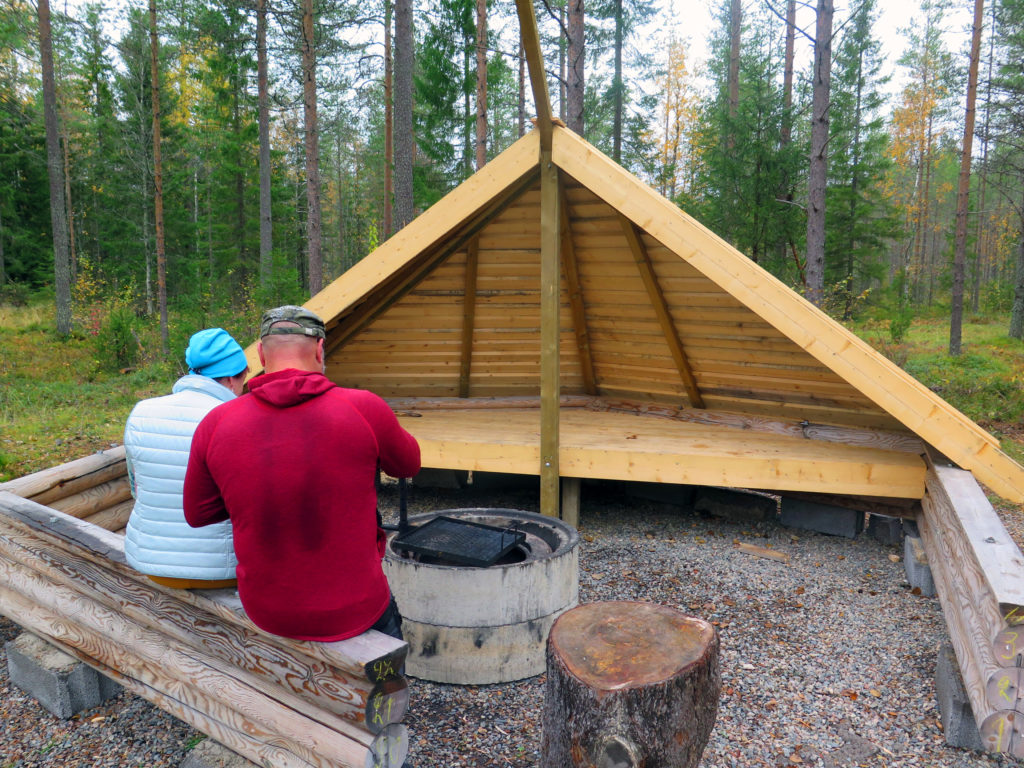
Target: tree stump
629,684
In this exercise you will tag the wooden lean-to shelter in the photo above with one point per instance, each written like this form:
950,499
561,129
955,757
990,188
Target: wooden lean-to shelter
553,316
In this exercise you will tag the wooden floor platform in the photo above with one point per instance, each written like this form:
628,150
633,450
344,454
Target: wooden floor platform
618,445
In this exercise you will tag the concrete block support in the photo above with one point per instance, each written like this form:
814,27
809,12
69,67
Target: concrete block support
822,518
886,529
737,506
63,685
954,707
915,563
211,754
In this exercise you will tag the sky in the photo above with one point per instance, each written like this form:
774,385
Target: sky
693,20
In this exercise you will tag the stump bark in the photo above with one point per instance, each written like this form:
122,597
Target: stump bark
629,684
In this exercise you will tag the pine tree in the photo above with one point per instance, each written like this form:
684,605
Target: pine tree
859,219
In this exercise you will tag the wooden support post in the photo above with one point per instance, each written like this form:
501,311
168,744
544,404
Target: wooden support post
468,316
571,501
629,684
550,299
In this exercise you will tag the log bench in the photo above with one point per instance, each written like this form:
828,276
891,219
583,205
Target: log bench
194,653
979,576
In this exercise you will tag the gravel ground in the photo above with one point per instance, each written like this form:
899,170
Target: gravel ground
827,660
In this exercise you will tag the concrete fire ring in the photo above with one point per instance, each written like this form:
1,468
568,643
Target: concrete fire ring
473,626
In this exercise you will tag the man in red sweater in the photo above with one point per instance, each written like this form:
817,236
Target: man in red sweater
293,465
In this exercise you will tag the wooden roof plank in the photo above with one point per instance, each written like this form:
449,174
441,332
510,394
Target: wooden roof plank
882,381
575,292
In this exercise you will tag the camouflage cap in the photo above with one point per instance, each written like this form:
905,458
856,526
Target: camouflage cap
307,322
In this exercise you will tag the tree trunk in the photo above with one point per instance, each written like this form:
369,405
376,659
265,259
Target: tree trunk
522,91
3,272
629,684
263,98
786,133
735,29
617,87
1017,313
389,128
963,190
481,83
314,257
158,179
981,247
68,203
403,113
575,88
817,177
55,172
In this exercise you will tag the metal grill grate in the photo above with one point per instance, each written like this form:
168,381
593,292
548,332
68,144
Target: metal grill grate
460,542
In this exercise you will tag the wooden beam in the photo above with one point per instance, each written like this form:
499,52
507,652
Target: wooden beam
550,304
668,325
891,388
538,77
621,446
572,286
399,284
468,315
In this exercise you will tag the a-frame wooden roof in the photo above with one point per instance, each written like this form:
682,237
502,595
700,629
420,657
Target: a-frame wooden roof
654,308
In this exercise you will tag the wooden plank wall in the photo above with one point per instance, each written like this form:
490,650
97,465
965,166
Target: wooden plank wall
414,348
739,362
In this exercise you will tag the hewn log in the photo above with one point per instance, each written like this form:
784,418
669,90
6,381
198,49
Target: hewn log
96,499
112,518
989,557
314,688
320,688
1000,726
81,483
184,674
629,684
55,477
216,705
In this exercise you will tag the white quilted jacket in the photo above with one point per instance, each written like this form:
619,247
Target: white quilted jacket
157,438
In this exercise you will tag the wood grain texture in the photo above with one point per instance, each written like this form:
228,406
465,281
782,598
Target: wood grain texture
626,446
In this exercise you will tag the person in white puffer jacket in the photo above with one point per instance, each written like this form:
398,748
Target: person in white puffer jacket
157,439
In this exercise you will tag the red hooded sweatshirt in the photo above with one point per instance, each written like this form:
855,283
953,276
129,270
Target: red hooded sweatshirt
293,465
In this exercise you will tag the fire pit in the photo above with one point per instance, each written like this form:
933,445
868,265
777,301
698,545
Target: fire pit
474,625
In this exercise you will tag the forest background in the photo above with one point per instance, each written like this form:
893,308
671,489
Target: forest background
183,164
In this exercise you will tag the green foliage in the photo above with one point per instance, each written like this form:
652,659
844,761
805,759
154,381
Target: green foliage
117,343
979,383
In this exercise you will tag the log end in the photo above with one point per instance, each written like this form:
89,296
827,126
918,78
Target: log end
624,644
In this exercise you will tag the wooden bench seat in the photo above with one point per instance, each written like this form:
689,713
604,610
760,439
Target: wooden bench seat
194,653
707,449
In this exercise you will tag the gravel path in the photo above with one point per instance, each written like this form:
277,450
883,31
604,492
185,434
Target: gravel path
827,660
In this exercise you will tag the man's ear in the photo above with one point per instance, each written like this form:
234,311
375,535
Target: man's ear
320,350
259,351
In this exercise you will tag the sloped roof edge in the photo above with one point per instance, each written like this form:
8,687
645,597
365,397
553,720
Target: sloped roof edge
887,385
